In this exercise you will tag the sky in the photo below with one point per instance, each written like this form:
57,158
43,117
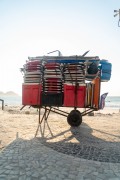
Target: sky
36,27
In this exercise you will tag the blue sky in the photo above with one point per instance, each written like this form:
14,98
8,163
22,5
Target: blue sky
35,27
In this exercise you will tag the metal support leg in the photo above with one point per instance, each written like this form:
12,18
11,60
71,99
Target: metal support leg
44,118
39,123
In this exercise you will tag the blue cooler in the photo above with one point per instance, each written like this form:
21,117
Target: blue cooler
106,68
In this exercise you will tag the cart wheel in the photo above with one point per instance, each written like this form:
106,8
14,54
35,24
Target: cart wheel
74,118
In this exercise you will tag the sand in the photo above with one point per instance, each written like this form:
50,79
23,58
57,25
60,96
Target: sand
14,123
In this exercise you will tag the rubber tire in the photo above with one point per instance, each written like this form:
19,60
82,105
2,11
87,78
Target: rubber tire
74,118
92,69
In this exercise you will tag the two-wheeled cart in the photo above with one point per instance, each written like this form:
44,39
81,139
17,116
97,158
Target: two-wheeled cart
51,82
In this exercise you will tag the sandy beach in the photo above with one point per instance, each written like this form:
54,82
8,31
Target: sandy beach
90,151
14,123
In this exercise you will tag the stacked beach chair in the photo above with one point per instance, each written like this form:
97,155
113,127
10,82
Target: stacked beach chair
69,81
74,73
33,72
52,78
52,85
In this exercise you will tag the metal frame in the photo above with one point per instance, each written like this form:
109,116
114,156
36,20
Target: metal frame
46,114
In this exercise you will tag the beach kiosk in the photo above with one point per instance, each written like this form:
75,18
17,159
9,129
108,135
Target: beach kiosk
51,82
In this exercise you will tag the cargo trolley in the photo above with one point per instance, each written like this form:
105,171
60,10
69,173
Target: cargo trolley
50,82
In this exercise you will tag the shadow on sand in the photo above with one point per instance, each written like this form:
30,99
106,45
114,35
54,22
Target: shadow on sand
78,142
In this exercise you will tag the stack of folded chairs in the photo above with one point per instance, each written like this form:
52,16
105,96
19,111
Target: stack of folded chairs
52,78
74,73
52,85
32,72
